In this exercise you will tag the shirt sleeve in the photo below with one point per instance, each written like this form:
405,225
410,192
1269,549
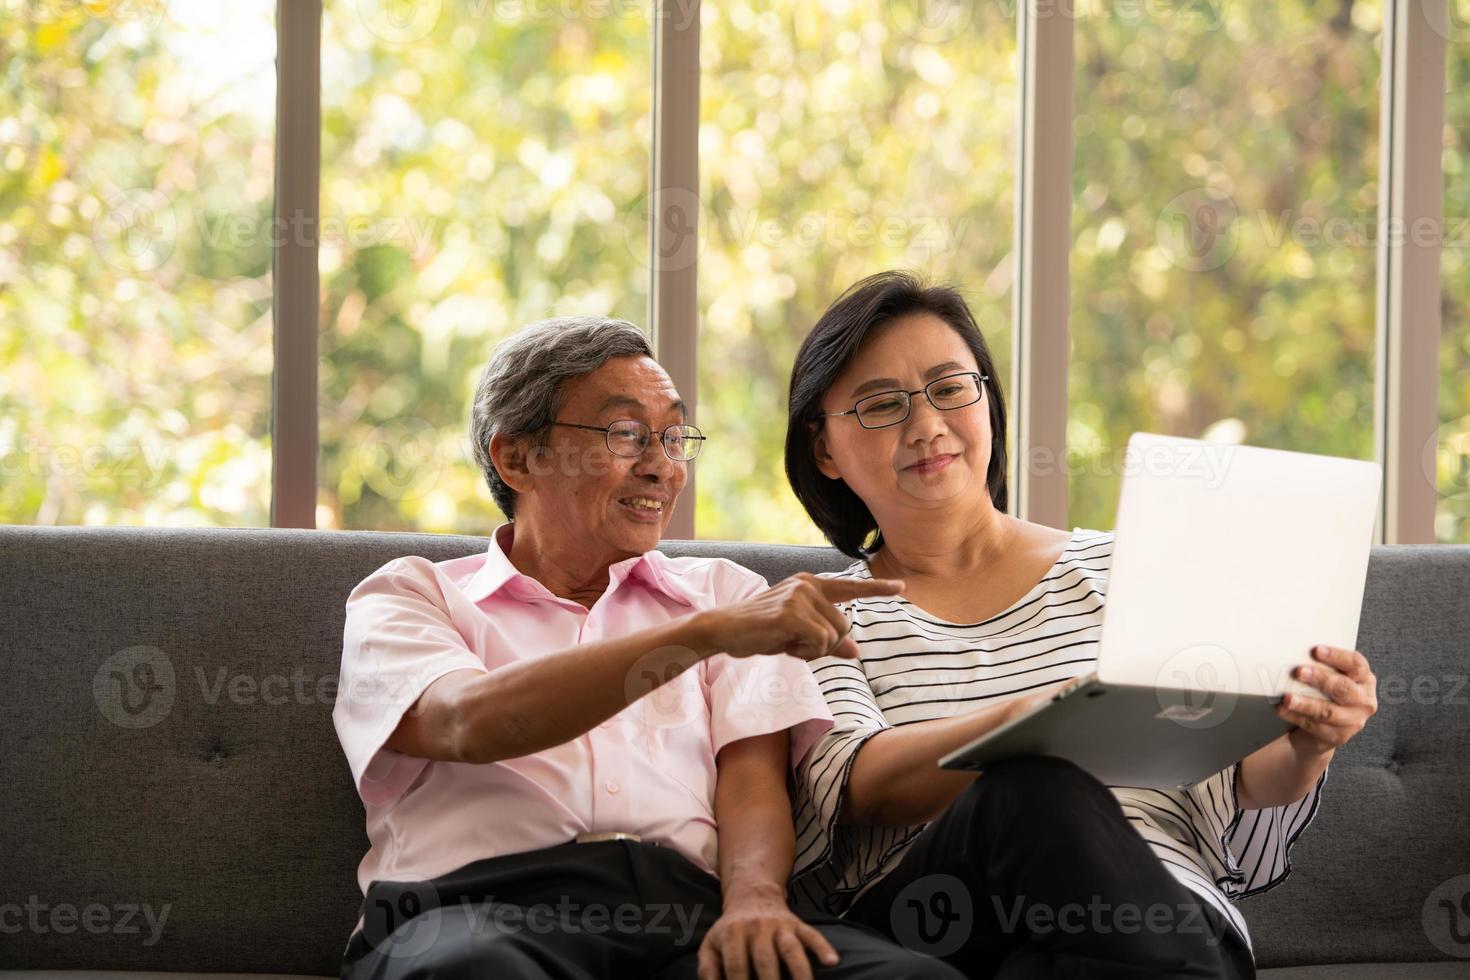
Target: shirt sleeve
398,639
751,696
823,770
1250,849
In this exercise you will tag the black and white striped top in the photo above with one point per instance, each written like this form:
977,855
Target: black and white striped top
915,667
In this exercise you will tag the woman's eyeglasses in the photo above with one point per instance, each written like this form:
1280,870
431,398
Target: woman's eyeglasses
891,407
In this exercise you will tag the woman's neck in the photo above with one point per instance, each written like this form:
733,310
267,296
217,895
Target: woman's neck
927,546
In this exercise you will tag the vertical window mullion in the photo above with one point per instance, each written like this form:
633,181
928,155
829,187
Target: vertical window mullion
297,207
1043,241
1411,204
674,212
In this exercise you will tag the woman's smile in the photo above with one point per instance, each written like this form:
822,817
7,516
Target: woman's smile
931,464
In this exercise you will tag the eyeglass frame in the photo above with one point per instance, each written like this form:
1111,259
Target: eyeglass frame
980,380
606,431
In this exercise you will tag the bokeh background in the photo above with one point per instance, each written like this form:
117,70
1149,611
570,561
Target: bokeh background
487,166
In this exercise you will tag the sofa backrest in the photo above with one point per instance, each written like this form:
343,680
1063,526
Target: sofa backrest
178,800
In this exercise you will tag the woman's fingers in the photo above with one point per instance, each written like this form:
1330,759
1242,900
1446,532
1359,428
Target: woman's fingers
1337,686
1314,709
1324,735
1349,662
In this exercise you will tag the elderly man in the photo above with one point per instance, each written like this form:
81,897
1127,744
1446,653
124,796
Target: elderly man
563,741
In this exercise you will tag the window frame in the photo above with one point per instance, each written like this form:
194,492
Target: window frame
1408,312
1410,194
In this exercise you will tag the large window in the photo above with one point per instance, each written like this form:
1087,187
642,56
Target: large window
1225,214
488,163
484,165
837,139
1447,462
135,253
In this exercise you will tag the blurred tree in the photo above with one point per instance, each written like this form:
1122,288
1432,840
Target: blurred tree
135,292
1449,463
1225,222
493,157
838,138
485,165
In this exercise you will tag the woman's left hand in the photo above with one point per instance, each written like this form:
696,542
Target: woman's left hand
1352,698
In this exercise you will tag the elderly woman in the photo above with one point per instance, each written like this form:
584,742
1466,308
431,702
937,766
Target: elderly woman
896,447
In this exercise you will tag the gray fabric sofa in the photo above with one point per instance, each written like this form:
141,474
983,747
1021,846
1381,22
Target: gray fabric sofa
176,800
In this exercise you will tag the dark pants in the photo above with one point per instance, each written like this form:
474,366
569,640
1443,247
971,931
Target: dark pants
1034,871
612,909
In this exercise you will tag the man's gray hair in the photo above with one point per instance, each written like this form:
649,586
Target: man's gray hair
520,390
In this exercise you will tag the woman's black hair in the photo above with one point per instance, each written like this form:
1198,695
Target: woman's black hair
826,352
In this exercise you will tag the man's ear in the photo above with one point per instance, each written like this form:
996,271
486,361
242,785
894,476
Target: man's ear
512,461
821,454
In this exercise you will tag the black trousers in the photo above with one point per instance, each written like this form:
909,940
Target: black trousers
611,909
1034,871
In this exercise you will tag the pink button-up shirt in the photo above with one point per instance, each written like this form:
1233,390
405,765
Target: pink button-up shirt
648,770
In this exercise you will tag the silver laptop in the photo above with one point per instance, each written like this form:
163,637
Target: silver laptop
1229,564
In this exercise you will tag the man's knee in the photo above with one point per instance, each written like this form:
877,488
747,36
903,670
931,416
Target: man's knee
512,956
445,944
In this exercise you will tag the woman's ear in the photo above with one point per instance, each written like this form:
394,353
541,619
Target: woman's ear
822,454
511,461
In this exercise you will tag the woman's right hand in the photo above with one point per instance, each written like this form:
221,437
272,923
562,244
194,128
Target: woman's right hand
797,615
1020,705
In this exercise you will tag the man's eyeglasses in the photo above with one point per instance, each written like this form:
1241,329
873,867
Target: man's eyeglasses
629,437
891,407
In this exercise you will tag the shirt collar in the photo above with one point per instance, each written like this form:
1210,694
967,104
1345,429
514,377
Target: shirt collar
651,568
496,570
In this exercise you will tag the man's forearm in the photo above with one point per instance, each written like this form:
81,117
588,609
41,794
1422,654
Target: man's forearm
1275,775
753,820
757,847
536,704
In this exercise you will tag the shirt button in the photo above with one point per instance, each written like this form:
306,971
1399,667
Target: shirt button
613,787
